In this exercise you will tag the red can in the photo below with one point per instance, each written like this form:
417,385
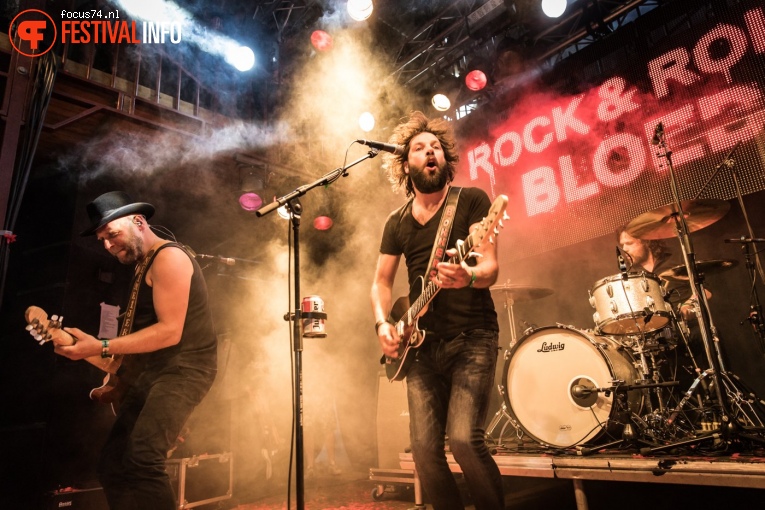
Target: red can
313,326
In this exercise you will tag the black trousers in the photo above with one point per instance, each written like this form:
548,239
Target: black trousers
132,464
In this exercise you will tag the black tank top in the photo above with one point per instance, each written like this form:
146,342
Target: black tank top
198,345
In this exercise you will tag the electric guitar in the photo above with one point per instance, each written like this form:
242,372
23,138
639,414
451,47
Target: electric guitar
406,327
45,330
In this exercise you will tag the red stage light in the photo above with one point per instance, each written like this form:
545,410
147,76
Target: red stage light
475,80
322,223
321,40
250,201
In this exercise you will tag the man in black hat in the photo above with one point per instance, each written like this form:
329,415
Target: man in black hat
168,324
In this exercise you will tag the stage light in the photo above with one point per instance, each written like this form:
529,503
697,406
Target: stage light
360,9
441,102
366,122
250,201
475,80
321,40
322,223
240,57
554,8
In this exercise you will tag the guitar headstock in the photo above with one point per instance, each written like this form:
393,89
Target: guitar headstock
44,329
491,223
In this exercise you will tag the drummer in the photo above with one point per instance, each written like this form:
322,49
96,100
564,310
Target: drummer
654,257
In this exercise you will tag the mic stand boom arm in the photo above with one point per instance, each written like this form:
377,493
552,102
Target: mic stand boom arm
324,180
291,202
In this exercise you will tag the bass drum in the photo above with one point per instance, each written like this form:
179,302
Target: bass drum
548,376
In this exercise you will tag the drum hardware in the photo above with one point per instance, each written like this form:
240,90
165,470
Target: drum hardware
499,416
513,292
634,304
680,218
705,267
753,267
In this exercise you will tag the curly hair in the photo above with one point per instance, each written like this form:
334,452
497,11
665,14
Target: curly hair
403,134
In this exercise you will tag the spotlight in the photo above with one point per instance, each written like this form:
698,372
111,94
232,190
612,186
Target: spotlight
360,10
321,40
240,57
554,8
441,102
475,80
366,122
322,223
250,201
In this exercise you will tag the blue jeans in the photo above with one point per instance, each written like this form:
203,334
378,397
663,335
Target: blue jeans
132,465
448,388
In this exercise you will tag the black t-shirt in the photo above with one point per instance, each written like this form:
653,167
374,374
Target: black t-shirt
452,311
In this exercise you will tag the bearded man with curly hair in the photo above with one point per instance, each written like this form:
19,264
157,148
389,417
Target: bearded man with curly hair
450,375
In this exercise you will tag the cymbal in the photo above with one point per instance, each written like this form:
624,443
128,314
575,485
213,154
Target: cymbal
522,292
660,223
706,266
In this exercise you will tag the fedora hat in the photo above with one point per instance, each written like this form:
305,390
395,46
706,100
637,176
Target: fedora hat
112,205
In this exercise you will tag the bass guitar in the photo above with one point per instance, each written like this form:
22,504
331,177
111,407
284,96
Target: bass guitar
44,329
406,327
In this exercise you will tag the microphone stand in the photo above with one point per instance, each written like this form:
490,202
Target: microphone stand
729,428
755,310
295,209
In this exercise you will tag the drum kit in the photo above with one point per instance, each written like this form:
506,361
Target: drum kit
615,386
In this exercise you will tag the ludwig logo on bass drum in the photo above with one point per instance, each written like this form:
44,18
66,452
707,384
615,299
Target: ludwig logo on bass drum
551,347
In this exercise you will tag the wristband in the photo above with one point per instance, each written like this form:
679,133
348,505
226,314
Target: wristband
473,278
377,326
104,348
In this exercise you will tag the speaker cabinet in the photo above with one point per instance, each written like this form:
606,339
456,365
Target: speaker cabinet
392,422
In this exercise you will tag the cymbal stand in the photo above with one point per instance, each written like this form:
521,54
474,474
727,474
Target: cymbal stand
707,328
502,413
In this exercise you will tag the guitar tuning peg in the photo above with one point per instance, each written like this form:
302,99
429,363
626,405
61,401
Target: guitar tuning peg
29,327
54,317
41,342
496,231
501,224
38,337
491,240
505,216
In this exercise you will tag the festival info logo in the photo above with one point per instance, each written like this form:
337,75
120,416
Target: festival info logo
32,33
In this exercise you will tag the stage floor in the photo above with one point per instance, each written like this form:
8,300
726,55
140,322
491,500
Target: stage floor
734,471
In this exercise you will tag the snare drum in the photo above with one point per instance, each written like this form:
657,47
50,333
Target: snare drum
549,376
632,305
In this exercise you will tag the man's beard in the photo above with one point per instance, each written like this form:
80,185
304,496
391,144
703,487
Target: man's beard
425,183
133,252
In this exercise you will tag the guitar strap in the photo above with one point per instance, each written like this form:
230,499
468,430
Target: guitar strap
127,322
444,230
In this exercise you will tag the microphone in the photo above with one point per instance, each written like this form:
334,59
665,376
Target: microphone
380,146
657,134
223,260
622,264
581,391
